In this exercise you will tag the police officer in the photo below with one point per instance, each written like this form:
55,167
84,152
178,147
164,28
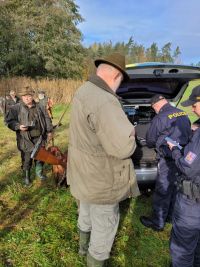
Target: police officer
172,122
185,235
30,122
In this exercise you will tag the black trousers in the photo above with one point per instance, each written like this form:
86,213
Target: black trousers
26,160
26,157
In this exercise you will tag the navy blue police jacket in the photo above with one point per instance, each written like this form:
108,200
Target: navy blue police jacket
171,122
189,162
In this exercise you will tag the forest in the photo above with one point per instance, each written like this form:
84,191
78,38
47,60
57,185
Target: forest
41,38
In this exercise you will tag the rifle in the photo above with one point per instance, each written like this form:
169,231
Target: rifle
45,155
37,147
42,154
61,117
5,105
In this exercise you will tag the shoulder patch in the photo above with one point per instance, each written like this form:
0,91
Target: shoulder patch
190,157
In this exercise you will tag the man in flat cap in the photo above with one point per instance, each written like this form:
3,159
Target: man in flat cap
100,171
45,102
30,122
174,123
12,100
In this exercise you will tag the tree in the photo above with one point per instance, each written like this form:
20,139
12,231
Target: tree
152,53
176,55
42,38
166,53
135,53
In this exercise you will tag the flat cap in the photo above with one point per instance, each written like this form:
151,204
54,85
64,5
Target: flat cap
156,98
26,90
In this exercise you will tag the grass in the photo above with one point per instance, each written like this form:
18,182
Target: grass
38,226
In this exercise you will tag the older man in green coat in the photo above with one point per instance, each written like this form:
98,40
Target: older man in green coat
100,171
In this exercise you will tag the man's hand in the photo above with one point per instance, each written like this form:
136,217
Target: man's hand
194,126
49,137
170,145
23,128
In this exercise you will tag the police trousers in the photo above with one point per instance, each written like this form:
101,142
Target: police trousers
165,192
102,222
185,234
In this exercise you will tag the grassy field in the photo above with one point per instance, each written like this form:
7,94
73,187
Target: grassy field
38,226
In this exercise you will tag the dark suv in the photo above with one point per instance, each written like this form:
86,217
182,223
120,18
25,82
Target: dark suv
146,80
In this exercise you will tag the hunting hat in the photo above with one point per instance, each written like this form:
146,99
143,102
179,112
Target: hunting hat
116,60
156,98
193,98
41,92
27,90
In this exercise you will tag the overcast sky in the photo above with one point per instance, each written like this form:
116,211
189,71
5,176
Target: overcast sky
148,21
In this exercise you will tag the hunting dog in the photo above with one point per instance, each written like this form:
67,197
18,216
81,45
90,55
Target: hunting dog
59,171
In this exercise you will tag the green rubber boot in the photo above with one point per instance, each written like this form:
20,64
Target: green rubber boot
92,262
27,178
84,238
39,170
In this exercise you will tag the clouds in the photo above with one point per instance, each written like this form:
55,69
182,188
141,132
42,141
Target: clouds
147,21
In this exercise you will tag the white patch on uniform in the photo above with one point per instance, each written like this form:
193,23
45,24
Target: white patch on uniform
190,157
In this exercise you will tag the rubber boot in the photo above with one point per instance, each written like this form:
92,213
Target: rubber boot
27,179
39,169
84,238
92,262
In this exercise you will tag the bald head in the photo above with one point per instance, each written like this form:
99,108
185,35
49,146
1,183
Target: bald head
111,75
159,104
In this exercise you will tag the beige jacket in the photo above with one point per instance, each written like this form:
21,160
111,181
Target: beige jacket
99,168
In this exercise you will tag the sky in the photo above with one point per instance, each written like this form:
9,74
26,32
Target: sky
147,21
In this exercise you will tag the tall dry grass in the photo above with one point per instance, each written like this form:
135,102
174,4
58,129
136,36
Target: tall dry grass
60,90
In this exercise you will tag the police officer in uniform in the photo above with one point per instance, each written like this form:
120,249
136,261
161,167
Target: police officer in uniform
30,122
172,122
185,235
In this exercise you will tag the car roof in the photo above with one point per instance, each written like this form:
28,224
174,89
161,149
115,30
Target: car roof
159,64
162,70
149,78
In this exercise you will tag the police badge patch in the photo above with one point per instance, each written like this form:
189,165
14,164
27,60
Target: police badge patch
190,157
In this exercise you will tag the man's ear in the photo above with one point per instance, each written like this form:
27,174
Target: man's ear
117,75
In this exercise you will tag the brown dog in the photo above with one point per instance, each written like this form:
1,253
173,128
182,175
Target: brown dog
59,171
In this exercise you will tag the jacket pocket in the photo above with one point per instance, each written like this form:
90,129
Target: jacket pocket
122,172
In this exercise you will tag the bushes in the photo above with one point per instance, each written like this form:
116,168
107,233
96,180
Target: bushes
60,90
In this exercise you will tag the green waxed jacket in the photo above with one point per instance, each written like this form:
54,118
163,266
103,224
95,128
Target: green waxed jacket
99,168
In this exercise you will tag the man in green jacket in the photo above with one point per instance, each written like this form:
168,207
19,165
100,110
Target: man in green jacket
100,171
31,123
